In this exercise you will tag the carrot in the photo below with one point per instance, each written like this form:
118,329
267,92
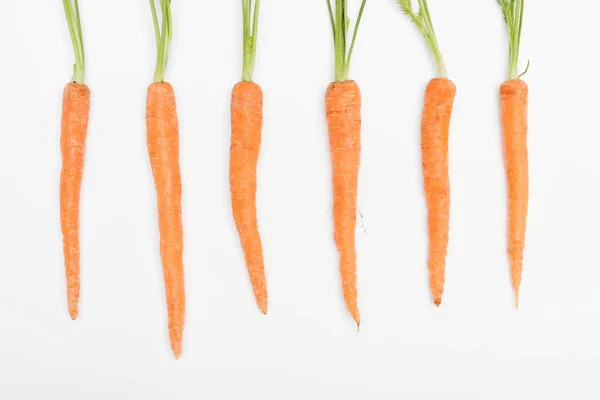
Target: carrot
74,122
246,128
342,107
163,148
513,109
437,110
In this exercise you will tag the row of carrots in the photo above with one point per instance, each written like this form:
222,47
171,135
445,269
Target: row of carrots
343,113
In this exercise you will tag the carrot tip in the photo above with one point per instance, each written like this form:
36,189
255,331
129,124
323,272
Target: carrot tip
358,327
263,309
177,354
73,314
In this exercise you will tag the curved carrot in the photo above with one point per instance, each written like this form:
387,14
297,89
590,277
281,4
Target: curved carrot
163,148
343,102
439,99
513,105
246,127
75,111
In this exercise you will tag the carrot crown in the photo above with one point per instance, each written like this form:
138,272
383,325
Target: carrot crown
422,19
339,25
163,38
513,16
250,10
72,13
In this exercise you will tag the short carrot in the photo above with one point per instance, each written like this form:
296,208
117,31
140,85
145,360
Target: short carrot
163,148
342,108
437,110
75,111
246,130
513,110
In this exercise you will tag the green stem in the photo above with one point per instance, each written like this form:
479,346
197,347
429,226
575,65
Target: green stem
74,23
250,36
349,58
163,38
331,18
340,24
513,15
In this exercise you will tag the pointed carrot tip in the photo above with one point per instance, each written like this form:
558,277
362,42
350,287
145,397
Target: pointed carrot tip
73,314
177,353
263,308
437,301
358,327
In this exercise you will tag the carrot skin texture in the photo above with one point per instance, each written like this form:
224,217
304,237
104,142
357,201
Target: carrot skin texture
74,122
163,148
342,106
513,108
437,111
246,130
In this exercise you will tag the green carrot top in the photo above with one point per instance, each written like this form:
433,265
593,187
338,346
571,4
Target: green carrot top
422,19
339,26
72,13
513,16
163,38
250,9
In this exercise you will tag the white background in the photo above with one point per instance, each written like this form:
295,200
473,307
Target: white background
475,346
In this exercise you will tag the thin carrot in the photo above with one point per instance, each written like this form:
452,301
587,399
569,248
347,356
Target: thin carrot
513,108
342,107
246,129
163,148
437,110
75,112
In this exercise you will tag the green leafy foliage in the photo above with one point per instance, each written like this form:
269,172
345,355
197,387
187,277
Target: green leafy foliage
512,11
163,37
422,19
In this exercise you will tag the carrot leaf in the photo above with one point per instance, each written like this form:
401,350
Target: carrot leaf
250,12
512,11
422,18
163,33
340,23
74,22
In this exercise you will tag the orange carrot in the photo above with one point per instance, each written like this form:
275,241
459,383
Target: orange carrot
513,109
437,110
343,103
74,122
513,104
76,106
163,147
246,127
439,99
342,108
246,130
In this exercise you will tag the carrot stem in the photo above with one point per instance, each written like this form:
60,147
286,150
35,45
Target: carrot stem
250,34
163,38
73,21
422,19
513,16
340,24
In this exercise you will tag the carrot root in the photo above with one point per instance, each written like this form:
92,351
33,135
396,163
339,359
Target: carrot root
513,107
246,130
75,113
437,111
163,148
342,104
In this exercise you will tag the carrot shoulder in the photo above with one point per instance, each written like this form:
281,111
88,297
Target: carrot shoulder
439,100
163,148
75,112
513,107
343,103
246,128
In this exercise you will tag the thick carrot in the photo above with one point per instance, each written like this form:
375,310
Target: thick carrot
343,103
437,110
163,148
513,109
513,105
76,107
246,127
439,99
342,108
74,122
